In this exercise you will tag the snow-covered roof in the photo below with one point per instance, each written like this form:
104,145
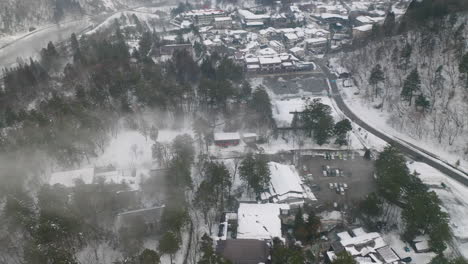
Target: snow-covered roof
359,240
365,19
218,19
363,28
296,49
387,254
253,66
275,43
285,182
68,178
344,235
269,60
259,221
291,36
221,136
249,60
246,14
254,23
249,135
203,12
330,15
359,231
315,40
267,52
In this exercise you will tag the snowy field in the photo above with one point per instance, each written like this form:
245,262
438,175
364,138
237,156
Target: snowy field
454,198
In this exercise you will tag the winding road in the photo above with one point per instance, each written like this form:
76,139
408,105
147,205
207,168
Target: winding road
409,149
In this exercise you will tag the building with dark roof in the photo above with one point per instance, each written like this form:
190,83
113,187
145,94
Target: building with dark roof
243,251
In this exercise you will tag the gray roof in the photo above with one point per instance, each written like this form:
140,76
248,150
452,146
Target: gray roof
243,251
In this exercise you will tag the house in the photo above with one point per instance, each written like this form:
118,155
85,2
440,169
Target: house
291,38
222,22
249,137
362,31
250,19
297,51
244,251
286,186
226,139
333,18
421,244
150,216
277,46
270,64
202,17
70,178
316,43
260,221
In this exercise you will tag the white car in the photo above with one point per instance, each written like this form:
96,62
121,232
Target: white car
330,185
342,191
325,174
345,186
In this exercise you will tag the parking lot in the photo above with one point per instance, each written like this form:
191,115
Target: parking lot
350,171
311,83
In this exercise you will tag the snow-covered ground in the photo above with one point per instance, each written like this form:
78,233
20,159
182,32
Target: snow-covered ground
394,241
454,198
145,18
381,120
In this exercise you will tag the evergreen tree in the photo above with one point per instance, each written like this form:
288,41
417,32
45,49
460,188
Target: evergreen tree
169,244
422,102
145,43
341,129
149,256
255,171
318,121
463,67
411,85
344,258
376,77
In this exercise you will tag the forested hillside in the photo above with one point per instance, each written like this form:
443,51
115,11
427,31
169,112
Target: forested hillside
416,71
18,15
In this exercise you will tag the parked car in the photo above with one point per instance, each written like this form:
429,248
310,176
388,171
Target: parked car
345,186
331,185
325,174
342,192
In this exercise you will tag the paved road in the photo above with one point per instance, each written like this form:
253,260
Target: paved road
30,45
405,147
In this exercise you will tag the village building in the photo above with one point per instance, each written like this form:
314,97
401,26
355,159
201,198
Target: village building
277,46
203,17
226,139
252,20
286,186
362,31
364,247
222,22
260,221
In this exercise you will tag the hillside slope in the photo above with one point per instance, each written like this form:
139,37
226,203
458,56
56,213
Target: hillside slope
435,113
20,15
